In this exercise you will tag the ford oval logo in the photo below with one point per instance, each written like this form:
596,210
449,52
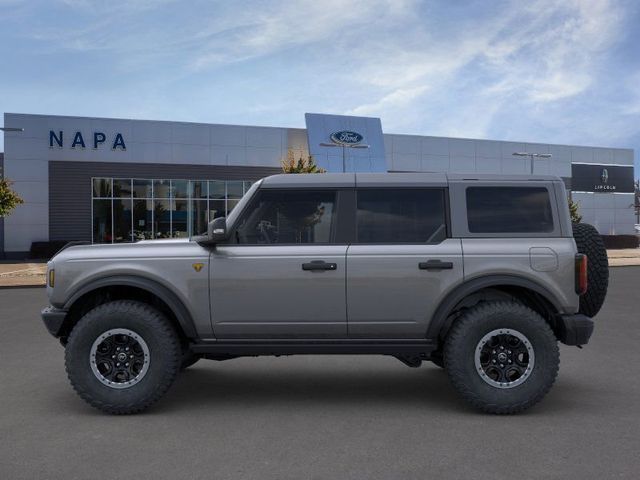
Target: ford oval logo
346,137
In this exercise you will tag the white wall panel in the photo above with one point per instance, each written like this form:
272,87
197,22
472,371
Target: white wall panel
228,135
434,163
584,200
187,153
623,156
228,155
488,165
559,168
264,156
190,133
434,146
36,192
462,164
461,147
604,200
403,144
265,137
488,149
18,238
26,170
515,165
508,148
406,162
151,132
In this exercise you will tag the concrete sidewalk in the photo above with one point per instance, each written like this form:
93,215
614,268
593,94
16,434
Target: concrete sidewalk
624,258
32,274
23,274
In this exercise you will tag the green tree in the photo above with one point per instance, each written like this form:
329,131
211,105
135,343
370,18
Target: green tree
8,198
573,210
302,165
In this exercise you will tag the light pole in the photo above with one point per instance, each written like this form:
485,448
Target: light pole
11,129
344,150
531,156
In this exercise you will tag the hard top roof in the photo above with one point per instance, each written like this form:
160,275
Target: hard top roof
405,179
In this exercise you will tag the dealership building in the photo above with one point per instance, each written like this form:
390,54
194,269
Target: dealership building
115,180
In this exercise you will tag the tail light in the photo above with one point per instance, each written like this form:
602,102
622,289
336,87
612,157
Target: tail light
581,274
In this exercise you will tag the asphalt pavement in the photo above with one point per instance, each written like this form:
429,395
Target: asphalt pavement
322,417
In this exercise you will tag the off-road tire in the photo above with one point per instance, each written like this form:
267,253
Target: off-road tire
589,242
464,337
152,326
188,359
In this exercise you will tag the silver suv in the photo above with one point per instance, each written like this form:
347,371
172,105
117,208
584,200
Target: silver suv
481,275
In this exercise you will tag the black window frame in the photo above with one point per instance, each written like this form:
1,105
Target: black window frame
445,204
506,232
338,227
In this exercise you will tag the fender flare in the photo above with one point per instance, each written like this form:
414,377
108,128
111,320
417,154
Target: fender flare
459,293
174,303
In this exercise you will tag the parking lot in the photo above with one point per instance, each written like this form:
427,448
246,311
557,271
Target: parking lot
322,417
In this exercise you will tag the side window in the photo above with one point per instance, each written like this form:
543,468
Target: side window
399,215
509,210
288,216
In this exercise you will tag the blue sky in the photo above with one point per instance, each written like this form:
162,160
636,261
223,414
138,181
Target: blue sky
537,70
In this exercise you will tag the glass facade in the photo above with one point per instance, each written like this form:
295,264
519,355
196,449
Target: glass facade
131,209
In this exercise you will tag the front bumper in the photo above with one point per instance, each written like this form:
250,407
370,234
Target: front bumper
53,319
574,329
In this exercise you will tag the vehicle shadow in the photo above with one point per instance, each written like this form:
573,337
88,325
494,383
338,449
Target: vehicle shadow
300,387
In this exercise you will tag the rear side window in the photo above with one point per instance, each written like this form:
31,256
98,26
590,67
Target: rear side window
509,210
401,215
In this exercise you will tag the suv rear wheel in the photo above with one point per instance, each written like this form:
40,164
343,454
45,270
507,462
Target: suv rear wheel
122,356
502,357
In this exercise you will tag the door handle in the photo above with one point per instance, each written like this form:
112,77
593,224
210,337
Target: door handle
319,265
435,265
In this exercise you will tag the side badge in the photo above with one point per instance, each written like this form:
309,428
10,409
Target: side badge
198,266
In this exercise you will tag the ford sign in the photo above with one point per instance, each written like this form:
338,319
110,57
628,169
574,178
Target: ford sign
346,137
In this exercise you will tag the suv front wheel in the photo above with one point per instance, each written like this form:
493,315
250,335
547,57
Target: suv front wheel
122,356
502,357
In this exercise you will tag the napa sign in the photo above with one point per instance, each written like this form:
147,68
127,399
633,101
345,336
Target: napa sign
98,139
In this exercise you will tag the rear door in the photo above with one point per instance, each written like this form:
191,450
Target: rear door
401,263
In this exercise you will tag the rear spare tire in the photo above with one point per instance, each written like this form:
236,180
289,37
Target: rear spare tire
589,242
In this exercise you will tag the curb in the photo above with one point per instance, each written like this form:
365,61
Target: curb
11,287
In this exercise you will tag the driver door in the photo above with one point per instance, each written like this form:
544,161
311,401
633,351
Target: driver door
283,274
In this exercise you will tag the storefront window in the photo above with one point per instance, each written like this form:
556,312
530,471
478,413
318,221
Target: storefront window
102,221
142,188
180,188
199,217
235,189
102,187
122,231
122,187
161,219
132,209
180,218
142,220
161,188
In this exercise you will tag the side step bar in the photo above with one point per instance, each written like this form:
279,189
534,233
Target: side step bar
314,347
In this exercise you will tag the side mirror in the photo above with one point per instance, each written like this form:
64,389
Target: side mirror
217,230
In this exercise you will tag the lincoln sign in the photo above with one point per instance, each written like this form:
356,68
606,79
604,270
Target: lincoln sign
602,178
